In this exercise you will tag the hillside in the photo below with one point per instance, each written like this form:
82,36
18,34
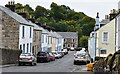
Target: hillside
60,18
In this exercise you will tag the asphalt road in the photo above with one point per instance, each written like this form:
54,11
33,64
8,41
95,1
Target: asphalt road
64,64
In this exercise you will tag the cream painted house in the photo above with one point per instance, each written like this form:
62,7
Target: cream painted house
106,39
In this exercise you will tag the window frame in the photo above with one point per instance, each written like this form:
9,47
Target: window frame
103,40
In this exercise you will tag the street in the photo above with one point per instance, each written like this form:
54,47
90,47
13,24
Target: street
64,64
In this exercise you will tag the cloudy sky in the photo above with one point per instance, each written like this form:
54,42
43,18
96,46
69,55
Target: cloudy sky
89,7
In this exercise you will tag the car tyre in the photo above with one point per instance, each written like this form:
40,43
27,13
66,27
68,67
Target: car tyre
35,64
32,64
74,63
19,64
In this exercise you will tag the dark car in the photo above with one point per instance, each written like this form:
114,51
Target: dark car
43,57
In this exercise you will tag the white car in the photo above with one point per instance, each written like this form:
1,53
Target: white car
27,58
57,55
81,57
72,49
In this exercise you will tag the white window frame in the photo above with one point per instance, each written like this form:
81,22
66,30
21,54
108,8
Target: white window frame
103,37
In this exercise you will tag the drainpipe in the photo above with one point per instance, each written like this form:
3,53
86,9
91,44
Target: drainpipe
115,32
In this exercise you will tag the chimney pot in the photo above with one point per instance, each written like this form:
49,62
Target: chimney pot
9,3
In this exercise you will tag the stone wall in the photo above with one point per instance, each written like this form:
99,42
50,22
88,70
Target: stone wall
70,42
10,32
8,56
36,41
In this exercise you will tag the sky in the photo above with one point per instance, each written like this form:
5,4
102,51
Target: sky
89,7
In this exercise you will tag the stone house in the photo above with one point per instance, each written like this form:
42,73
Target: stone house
37,33
15,33
70,39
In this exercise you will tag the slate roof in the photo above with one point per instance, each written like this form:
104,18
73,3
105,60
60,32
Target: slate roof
105,21
15,16
68,34
43,31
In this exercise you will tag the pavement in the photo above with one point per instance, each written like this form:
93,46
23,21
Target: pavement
8,65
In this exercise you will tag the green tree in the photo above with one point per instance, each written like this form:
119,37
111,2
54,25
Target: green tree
40,11
83,41
42,20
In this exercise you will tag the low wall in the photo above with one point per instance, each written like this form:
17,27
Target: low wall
8,56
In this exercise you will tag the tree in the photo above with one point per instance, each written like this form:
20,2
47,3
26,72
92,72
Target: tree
83,41
42,20
40,11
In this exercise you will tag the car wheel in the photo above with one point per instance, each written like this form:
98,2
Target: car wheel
74,63
32,64
19,64
35,64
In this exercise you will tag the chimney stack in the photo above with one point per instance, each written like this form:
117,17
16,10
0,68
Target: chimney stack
113,14
11,5
106,16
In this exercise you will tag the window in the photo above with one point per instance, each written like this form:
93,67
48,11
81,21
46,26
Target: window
51,40
30,32
68,45
42,38
46,38
39,37
30,47
20,47
73,40
64,45
64,40
105,37
73,45
27,47
23,31
23,48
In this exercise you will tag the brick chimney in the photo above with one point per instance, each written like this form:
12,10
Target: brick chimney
11,5
113,14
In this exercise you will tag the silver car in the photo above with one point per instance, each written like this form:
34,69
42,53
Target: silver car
81,57
27,58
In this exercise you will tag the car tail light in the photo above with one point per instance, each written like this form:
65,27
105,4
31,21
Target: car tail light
30,58
19,58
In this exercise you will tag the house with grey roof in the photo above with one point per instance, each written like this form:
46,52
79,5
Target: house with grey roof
37,33
70,39
44,40
15,33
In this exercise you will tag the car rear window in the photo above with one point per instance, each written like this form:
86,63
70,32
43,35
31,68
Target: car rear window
42,54
26,54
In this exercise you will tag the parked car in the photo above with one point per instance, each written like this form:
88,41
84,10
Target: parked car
57,55
52,57
65,51
27,58
43,57
61,54
72,48
81,57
